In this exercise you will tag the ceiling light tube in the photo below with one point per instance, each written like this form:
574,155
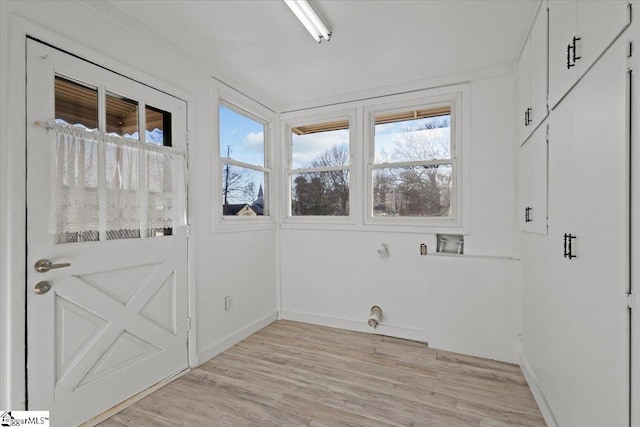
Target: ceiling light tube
309,19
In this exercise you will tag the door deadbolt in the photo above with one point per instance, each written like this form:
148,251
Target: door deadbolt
42,288
44,265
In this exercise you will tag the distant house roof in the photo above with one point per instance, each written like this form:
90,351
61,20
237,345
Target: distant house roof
233,209
257,207
247,211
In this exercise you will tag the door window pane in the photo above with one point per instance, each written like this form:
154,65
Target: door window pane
76,104
122,116
123,197
158,126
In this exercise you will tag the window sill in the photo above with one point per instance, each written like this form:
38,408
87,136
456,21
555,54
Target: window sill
386,228
238,225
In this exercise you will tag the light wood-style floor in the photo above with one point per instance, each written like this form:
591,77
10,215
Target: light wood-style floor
296,374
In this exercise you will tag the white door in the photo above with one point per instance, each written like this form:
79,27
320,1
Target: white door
114,321
588,382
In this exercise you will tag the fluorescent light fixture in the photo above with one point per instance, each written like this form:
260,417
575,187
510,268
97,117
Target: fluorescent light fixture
309,19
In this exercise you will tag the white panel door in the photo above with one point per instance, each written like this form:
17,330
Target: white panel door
601,222
524,92
599,23
532,189
587,382
563,26
114,322
539,45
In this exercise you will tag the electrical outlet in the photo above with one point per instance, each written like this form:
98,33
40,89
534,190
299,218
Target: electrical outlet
227,303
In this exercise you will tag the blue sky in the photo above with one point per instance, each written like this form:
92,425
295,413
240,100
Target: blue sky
244,135
306,148
389,135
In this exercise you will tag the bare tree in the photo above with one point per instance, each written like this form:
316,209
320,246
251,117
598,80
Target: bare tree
324,193
415,190
237,185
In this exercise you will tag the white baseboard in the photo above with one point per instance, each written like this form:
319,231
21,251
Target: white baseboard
229,341
537,392
359,326
133,399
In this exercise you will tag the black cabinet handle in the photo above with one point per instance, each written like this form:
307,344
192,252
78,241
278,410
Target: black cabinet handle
571,53
527,117
568,247
573,48
527,214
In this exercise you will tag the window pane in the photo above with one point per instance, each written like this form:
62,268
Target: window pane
320,193
413,140
76,173
241,138
76,104
158,126
312,148
418,191
122,116
242,191
123,198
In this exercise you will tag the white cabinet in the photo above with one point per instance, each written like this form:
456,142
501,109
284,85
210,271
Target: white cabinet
532,185
579,32
579,297
532,78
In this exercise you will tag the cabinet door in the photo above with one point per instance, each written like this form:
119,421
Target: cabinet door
538,41
533,183
563,26
601,216
524,92
599,23
554,363
588,197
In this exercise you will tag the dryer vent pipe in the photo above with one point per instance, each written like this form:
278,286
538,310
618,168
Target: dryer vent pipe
375,316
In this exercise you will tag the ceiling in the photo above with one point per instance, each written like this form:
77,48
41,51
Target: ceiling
261,45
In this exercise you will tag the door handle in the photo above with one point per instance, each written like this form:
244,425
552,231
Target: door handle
42,288
44,265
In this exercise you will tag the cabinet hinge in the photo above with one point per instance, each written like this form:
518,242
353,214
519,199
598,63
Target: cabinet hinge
187,229
630,300
187,137
188,324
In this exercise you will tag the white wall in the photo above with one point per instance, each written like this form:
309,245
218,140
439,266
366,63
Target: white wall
469,304
241,264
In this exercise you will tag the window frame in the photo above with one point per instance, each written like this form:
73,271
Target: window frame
458,222
311,117
231,99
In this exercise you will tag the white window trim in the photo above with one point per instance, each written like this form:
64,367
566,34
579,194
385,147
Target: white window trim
361,134
459,148
312,117
228,97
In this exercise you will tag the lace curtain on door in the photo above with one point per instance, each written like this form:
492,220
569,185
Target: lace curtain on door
112,184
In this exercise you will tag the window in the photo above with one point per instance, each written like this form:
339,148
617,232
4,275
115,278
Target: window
243,165
413,167
392,163
319,174
136,197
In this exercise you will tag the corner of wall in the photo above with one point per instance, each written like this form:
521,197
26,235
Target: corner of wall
537,391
